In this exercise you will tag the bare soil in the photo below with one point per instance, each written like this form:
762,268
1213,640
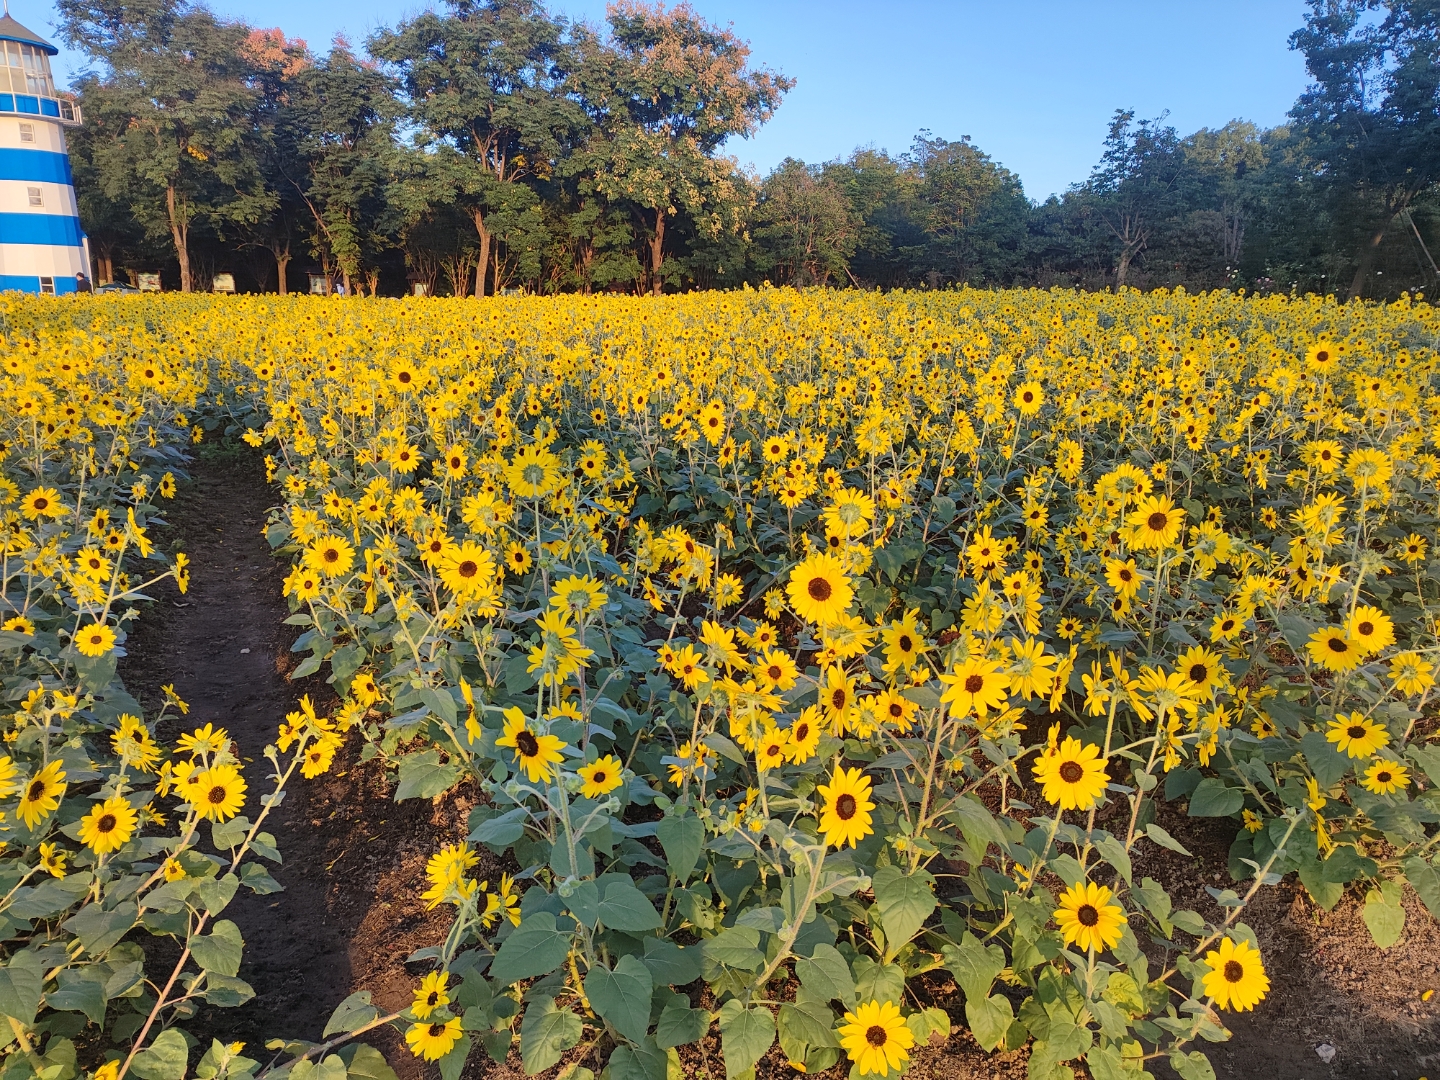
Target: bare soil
354,859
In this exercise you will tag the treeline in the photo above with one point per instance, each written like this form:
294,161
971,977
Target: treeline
496,146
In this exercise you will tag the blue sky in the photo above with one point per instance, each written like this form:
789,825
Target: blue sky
1032,82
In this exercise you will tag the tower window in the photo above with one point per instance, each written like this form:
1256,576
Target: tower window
27,132
47,286
37,197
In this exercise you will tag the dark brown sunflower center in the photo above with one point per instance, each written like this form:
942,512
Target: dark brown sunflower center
906,643
801,732
467,569
36,790
838,699
1366,629
1323,356
1071,772
845,806
1234,971
1355,731
1088,915
1337,645
41,502
818,589
332,555
876,1035
527,744
1199,673
436,1030
1158,521
1383,777
598,776
974,684
216,795
106,823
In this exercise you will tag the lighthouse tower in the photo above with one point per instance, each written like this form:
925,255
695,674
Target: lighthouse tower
41,245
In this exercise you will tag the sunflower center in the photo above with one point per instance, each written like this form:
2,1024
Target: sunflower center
773,672
216,795
432,998
896,710
1199,672
1158,521
467,569
845,806
1071,772
331,555
818,589
1383,777
837,699
905,643
436,1030
106,824
876,1035
1088,915
1337,645
773,750
1355,731
528,745
41,503
1234,971
974,684
1366,629
37,790
801,732
1323,356
598,776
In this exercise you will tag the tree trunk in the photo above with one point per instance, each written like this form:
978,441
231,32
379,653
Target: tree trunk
282,260
1122,268
179,234
484,266
1367,257
657,253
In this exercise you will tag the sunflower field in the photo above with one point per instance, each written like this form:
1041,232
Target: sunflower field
797,648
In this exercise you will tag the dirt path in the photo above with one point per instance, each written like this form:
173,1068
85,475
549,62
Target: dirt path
348,915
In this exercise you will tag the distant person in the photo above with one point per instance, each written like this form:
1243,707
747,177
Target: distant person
82,283
339,288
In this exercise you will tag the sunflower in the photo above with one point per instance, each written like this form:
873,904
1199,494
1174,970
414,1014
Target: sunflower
42,502
1357,735
1124,577
1029,398
533,472
109,826
430,995
1370,629
1226,627
977,685
804,735
1369,467
330,555
776,669
433,1040
1411,673
468,570
1412,549
1073,776
517,558
42,794
601,777
1155,524
845,817
819,591
534,753
904,643
1333,650
895,708
837,698
877,1038
1088,919
1386,777
218,793
1236,979
1201,666
770,749
97,639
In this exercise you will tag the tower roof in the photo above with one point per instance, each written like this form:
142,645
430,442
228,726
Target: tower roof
10,30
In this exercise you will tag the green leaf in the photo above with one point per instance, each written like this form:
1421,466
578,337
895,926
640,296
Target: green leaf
163,1059
220,949
1213,799
682,835
626,908
622,996
423,777
80,990
225,992
670,964
878,982
905,902
989,1019
680,1025
826,975
1327,763
1164,839
974,965
1113,852
99,931
546,1033
809,1023
453,1063
355,1011
1192,1066
1384,916
21,983
745,1035
215,894
737,947
1425,880
537,947
364,1062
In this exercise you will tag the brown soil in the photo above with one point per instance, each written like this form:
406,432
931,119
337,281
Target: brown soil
350,913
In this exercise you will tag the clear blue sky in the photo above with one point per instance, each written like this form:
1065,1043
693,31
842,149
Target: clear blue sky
1032,82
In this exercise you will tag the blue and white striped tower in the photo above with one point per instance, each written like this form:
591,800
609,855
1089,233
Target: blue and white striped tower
41,245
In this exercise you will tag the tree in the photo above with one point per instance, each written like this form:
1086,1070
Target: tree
805,229
971,210
1373,110
486,81
1134,186
666,91
172,106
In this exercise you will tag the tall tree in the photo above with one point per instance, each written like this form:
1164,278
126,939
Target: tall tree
174,100
804,226
1133,188
486,79
1373,110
